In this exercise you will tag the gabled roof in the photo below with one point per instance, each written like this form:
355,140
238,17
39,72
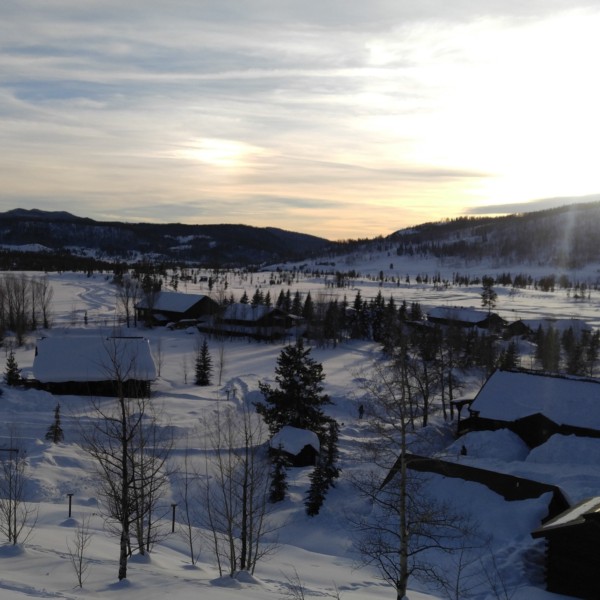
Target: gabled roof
239,311
576,515
458,313
512,395
171,301
93,358
561,325
293,440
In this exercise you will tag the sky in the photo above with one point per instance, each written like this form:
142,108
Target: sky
337,118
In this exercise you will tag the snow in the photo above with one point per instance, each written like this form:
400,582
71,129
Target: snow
293,440
92,357
238,311
172,301
319,549
508,396
573,514
458,313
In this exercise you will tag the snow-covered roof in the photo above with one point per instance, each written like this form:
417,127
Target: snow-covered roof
171,301
458,313
571,516
560,325
511,395
239,311
293,440
93,358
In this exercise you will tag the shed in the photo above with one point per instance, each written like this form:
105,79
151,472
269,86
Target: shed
572,557
94,365
166,307
300,446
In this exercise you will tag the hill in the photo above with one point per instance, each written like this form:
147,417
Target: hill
559,238
63,234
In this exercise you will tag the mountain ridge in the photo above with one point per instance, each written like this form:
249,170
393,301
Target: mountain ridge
564,237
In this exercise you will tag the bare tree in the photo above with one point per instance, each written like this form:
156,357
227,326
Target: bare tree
78,550
17,517
407,528
236,489
17,304
128,292
221,362
125,440
159,356
187,492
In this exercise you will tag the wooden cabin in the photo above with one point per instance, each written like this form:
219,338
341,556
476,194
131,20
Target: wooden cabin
94,365
163,308
572,557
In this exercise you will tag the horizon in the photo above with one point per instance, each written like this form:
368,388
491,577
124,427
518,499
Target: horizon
343,121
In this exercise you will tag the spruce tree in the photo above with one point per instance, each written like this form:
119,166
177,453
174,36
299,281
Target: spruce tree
298,398
55,432
203,365
298,401
12,375
326,471
278,486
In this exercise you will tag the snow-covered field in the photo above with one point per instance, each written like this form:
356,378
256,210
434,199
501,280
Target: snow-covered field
318,549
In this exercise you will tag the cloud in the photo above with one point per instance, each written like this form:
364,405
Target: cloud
352,114
533,205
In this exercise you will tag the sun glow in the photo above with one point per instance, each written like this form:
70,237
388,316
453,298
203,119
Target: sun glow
218,152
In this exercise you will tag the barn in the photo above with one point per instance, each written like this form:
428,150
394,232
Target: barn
94,365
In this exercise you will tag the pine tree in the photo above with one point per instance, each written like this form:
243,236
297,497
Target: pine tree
55,432
488,294
298,398
258,298
12,375
298,402
324,474
296,308
203,364
279,485
510,357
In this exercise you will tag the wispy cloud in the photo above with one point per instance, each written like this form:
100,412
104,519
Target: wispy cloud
342,118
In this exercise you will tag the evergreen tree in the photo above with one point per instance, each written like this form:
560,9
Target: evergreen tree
488,294
278,487
298,398
267,300
258,298
203,364
331,322
297,305
12,375
244,299
308,310
510,357
298,401
281,300
55,432
324,474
